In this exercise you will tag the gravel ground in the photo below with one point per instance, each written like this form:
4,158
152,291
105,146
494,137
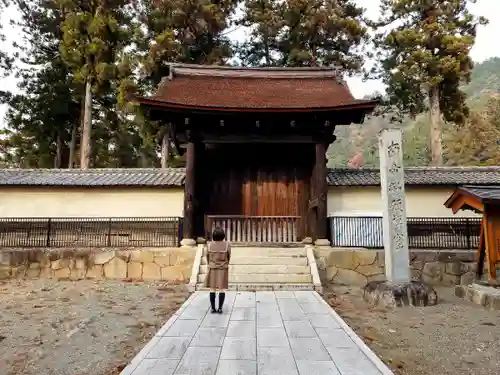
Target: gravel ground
453,338
79,328
95,328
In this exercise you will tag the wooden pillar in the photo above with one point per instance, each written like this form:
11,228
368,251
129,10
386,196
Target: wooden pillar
189,190
492,240
320,191
200,190
481,250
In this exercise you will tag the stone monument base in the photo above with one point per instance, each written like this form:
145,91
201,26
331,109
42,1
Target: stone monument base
322,242
484,294
388,294
188,242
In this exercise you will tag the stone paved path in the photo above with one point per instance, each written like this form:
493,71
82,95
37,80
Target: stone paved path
259,333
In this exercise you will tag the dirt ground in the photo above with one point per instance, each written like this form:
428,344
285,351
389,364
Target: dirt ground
79,328
453,338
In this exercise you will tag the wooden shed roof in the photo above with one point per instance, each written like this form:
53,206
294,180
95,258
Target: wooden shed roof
473,197
234,88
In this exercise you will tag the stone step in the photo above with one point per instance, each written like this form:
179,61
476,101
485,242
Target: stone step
261,260
265,278
268,252
263,268
262,286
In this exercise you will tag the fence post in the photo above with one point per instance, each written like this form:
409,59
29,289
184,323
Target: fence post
180,230
49,225
109,233
467,233
329,229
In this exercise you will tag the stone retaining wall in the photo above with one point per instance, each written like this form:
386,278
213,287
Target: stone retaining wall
338,266
359,266
169,264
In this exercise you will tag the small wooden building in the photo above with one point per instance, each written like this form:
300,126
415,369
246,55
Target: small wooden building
256,140
486,200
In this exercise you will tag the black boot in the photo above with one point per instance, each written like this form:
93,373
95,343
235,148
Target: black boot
212,301
222,296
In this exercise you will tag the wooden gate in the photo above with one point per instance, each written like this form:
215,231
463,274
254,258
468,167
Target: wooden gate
260,198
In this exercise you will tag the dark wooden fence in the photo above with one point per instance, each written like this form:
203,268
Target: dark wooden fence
252,229
90,232
423,232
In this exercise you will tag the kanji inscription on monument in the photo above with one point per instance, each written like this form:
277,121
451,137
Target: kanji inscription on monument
397,256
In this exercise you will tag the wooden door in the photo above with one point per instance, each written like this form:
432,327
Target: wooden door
272,185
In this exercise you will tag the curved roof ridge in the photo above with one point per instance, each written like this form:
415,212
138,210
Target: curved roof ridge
463,168
254,68
93,170
254,72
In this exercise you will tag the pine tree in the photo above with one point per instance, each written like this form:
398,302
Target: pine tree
171,31
44,118
425,49
40,120
5,59
265,18
305,33
41,117
94,34
184,31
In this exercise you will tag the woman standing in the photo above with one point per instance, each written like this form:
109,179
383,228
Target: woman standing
218,256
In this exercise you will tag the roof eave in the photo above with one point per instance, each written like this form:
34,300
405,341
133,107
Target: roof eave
462,199
93,186
367,106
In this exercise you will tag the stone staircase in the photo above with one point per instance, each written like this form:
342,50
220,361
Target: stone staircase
266,268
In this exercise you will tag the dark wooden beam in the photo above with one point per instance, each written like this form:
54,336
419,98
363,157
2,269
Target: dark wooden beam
212,138
189,189
321,190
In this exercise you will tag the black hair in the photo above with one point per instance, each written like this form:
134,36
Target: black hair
218,234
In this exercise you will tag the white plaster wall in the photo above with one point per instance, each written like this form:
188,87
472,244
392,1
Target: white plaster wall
366,201
95,202
144,202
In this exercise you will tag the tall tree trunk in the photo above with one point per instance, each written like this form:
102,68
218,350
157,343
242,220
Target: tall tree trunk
143,162
165,150
72,145
85,143
436,131
59,145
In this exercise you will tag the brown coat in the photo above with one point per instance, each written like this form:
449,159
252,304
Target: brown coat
218,256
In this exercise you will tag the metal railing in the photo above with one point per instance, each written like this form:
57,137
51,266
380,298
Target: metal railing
277,229
90,232
423,232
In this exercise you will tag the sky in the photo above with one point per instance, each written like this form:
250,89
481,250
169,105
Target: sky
485,47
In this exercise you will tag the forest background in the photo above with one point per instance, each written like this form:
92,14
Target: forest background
76,61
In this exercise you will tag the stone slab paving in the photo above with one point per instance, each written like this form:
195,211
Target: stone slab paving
259,333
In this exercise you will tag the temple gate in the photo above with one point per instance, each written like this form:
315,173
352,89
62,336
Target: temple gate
256,141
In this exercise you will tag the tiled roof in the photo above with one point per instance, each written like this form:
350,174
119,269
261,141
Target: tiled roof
152,177
93,177
230,87
419,176
483,192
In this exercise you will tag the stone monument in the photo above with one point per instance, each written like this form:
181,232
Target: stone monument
398,289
